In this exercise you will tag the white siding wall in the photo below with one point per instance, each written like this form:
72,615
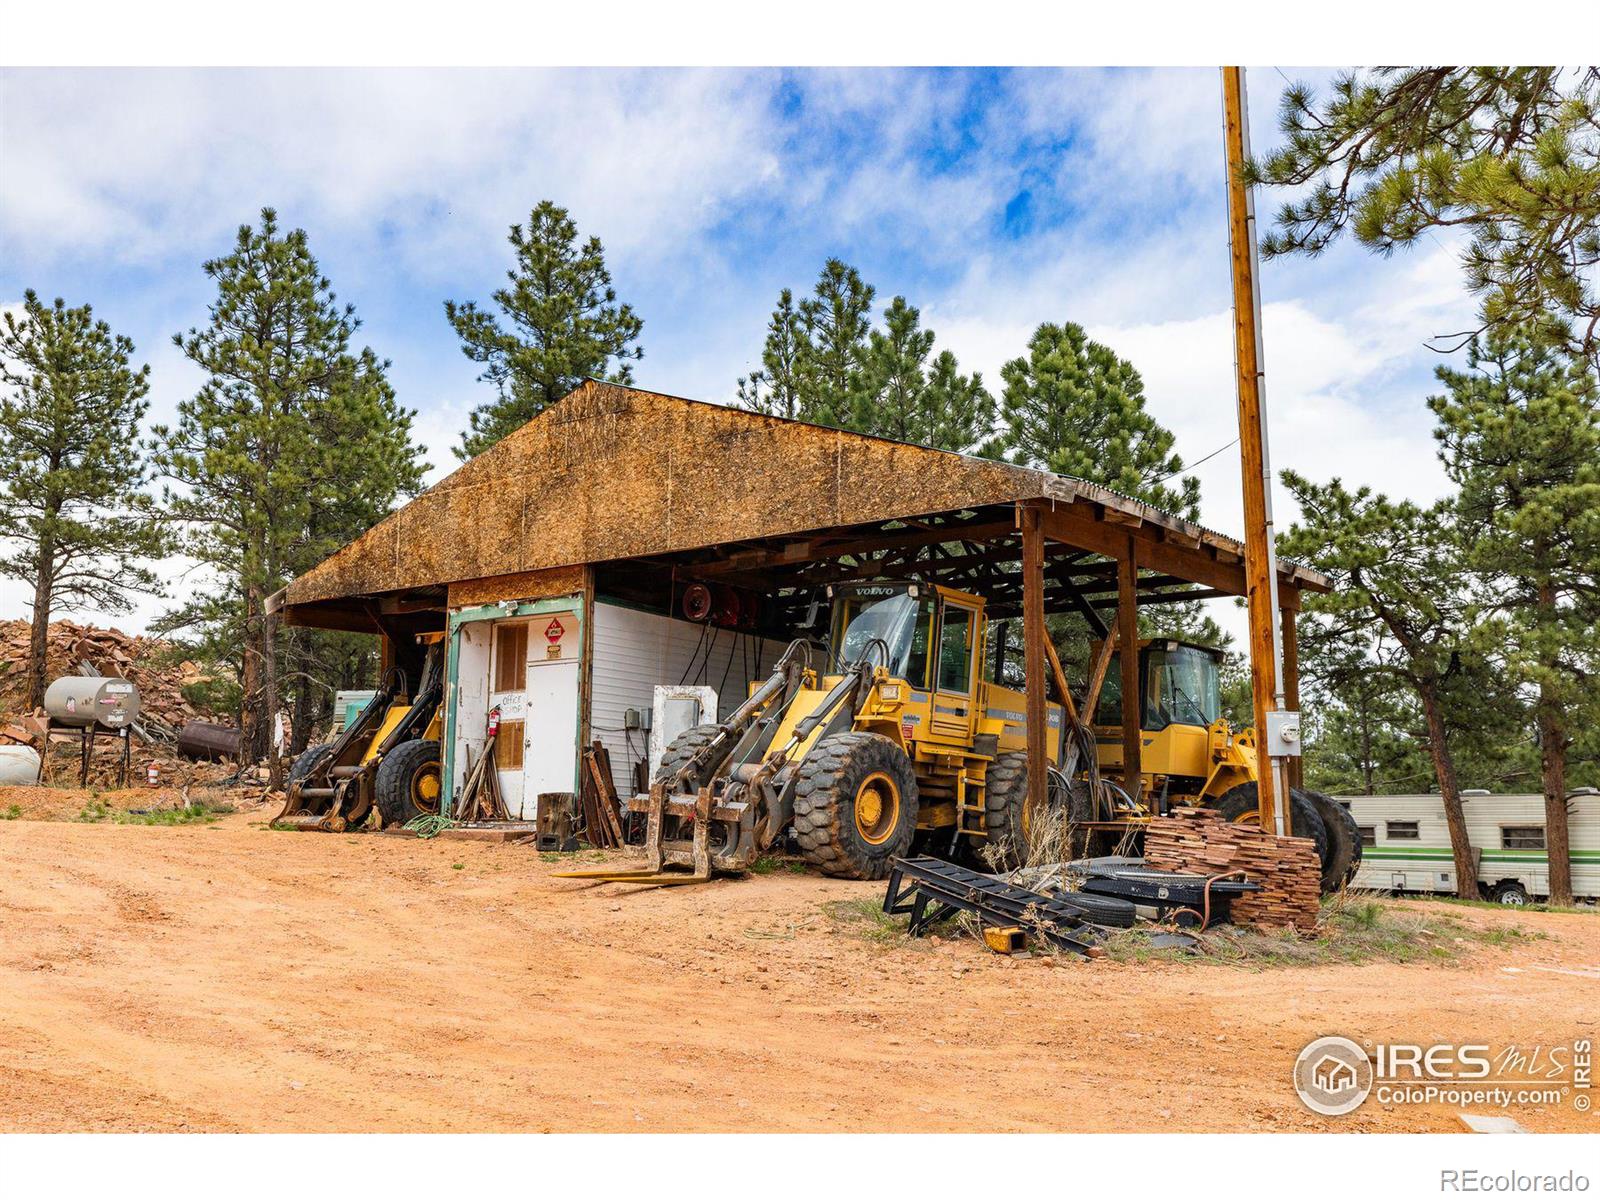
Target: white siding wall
634,651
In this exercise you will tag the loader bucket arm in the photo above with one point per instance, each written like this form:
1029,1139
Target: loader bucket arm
309,803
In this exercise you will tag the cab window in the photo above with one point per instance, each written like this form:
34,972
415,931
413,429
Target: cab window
955,650
1109,710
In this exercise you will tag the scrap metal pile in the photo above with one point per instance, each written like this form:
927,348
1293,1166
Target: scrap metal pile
74,649
1198,870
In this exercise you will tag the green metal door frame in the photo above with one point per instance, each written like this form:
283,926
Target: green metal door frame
496,612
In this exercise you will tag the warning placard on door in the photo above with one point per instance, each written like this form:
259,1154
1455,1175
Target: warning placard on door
555,630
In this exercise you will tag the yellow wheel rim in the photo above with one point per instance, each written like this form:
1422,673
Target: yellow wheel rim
425,788
877,808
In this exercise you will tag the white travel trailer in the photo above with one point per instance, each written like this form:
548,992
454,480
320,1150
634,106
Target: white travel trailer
1406,844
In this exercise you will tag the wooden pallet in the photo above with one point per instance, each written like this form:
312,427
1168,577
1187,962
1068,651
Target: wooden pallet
598,802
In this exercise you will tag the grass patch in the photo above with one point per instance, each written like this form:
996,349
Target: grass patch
769,864
864,918
1355,929
13,813
98,812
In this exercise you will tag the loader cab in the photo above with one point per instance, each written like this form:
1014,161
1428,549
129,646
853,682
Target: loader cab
930,636
1180,683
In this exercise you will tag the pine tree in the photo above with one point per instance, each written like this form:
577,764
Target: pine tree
1510,154
1392,565
774,389
1519,433
1073,407
834,321
72,505
823,362
565,325
292,444
905,397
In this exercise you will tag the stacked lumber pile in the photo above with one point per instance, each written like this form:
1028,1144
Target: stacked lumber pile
1198,841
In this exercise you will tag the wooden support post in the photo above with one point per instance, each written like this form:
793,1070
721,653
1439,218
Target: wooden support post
1259,565
1034,634
1128,635
1060,676
1097,675
1291,687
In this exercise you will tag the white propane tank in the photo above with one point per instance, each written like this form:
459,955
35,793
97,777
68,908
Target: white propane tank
19,766
85,700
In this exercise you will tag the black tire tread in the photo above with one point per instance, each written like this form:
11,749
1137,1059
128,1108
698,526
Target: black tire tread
824,823
393,784
684,747
1005,792
1237,800
1344,842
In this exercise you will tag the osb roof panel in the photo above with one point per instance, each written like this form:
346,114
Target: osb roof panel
612,472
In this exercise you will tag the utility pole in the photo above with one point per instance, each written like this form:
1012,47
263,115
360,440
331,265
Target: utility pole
1277,730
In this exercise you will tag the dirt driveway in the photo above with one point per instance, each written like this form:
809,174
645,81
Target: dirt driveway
231,978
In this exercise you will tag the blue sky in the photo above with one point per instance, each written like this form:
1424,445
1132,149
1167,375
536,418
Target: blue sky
992,199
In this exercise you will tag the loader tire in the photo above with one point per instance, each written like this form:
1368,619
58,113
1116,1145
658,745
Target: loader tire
1005,798
855,805
684,747
409,783
1240,804
306,763
1344,842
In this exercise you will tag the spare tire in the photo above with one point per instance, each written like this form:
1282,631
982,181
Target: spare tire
1344,842
1111,911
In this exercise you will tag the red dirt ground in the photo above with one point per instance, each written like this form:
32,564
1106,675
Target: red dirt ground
230,978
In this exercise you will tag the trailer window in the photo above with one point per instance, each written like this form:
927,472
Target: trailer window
1369,834
1401,831
1522,837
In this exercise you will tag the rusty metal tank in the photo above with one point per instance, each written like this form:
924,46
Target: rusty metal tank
91,699
208,741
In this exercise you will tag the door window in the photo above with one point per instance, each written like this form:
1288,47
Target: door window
955,650
511,657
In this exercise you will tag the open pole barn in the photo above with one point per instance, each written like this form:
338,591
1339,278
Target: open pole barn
559,561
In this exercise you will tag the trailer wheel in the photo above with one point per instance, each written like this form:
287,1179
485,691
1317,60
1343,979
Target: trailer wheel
1241,804
855,805
408,783
1344,842
1510,893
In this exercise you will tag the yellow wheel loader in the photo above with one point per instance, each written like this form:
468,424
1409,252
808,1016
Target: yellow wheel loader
387,758
886,733
1190,755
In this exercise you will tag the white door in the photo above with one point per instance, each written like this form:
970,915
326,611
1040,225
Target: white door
550,730
508,678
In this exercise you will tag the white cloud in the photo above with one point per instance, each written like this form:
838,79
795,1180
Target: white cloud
138,164
712,189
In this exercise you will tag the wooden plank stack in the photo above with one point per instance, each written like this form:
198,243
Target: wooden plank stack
1198,841
598,800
